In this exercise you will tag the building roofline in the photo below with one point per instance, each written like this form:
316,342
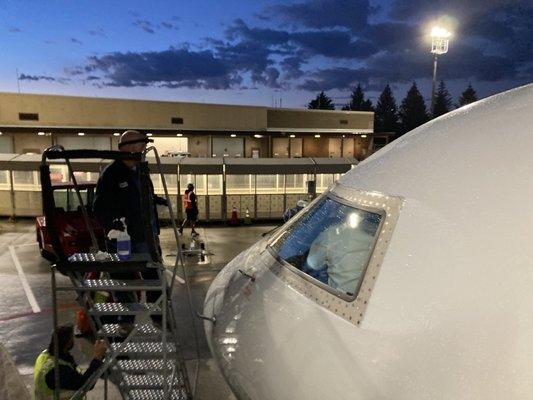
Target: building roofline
314,110
185,102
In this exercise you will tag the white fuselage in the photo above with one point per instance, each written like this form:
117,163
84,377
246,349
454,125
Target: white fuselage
449,315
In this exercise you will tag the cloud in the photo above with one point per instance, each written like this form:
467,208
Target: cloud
169,68
240,30
268,78
334,44
169,25
151,27
74,40
249,56
145,25
328,43
14,29
97,32
405,10
26,77
320,14
36,78
291,66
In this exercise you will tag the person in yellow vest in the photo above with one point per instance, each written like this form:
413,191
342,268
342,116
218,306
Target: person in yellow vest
70,377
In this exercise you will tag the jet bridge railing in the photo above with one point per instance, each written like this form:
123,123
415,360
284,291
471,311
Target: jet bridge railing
265,187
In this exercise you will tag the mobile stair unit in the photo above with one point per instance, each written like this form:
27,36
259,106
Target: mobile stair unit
147,363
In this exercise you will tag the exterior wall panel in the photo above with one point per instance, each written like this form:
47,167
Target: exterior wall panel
286,118
96,112
316,147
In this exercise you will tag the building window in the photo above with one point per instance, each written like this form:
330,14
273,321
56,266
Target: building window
344,122
28,117
177,120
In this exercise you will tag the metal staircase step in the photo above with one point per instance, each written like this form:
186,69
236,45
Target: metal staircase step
143,331
114,284
143,349
152,394
124,308
151,380
142,366
146,333
92,257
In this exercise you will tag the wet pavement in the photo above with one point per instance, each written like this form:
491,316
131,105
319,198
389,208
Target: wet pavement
26,313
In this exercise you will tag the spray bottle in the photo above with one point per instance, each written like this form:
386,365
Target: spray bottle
123,241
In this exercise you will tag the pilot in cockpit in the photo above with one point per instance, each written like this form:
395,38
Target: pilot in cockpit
339,255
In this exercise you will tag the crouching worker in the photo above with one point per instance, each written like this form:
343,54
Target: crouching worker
70,377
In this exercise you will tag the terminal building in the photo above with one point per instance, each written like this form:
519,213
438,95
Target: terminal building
31,122
231,148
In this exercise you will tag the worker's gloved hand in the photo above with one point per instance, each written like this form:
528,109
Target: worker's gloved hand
117,225
100,348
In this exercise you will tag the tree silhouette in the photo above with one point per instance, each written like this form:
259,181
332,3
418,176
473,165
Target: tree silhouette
358,102
413,111
321,102
443,101
468,96
386,115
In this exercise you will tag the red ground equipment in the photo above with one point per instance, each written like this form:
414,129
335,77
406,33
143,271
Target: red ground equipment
73,234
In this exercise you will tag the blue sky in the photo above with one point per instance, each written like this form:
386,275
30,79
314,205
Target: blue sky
258,52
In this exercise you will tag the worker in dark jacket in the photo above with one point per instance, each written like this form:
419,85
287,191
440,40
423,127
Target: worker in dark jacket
70,377
118,194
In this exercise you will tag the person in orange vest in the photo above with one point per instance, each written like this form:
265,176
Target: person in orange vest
70,376
191,209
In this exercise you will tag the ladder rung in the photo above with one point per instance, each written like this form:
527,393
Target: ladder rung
151,394
114,284
146,365
124,308
143,348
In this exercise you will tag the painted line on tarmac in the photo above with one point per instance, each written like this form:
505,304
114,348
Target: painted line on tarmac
26,244
29,294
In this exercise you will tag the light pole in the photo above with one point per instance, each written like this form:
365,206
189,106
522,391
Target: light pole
440,38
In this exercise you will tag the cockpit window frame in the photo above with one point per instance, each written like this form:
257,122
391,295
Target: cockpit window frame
340,200
349,307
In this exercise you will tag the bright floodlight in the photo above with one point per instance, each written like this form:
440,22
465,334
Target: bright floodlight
440,38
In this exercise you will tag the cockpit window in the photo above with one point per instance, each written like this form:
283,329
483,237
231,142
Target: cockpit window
332,242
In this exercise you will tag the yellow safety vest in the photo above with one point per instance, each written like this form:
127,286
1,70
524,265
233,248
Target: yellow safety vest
43,365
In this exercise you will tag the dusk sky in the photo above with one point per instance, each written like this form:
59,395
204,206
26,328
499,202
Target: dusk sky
257,52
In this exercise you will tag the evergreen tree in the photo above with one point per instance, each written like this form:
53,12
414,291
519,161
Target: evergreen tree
468,96
321,102
358,102
386,116
412,110
443,101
